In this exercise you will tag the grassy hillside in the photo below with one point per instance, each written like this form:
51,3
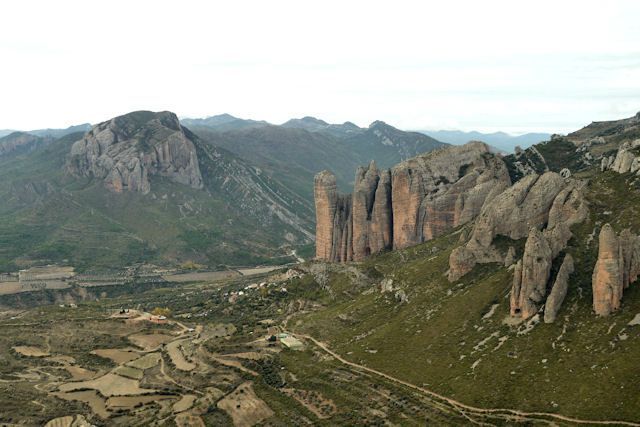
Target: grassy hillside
293,155
457,338
48,216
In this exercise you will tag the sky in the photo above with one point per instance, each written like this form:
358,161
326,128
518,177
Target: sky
515,66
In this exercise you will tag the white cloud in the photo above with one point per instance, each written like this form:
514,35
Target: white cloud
543,65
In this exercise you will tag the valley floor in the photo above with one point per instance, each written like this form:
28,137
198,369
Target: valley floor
435,353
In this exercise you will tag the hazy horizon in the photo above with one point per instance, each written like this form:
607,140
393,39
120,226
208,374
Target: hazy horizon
278,124
533,67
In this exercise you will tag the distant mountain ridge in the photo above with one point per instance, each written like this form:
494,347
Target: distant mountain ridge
501,140
299,148
141,187
52,133
21,142
222,122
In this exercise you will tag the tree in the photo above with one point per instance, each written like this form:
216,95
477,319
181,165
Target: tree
159,311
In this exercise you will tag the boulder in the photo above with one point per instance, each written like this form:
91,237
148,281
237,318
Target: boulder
510,258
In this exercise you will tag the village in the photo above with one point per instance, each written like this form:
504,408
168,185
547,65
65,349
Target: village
38,278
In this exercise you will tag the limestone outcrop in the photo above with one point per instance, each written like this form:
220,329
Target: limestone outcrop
618,265
533,202
125,151
559,290
417,200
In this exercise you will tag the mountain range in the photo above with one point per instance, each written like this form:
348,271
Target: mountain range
145,187
455,286
502,141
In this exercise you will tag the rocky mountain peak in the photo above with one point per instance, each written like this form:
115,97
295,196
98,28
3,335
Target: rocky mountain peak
380,125
350,125
126,150
310,119
307,122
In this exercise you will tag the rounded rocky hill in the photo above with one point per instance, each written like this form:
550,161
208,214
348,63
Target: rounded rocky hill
126,150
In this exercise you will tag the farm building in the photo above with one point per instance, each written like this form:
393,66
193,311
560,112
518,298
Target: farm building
292,343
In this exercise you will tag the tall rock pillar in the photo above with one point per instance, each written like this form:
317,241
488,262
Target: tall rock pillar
608,276
326,198
364,192
381,227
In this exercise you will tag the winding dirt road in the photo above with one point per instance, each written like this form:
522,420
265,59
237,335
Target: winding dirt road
469,411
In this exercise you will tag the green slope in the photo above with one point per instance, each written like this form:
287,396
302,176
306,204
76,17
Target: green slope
293,155
445,338
47,216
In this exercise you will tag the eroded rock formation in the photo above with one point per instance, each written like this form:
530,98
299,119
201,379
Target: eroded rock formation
417,200
618,266
334,232
539,207
533,202
444,189
125,151
531,275
559,290
326,197
627,159
372,214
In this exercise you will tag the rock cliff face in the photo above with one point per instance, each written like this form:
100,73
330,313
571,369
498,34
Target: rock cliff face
333,220
372,214
618,266
21,142
439,191
125,151
326,197
533,202
417,200
548,205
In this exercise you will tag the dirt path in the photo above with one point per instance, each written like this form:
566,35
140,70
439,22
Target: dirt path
171,380
226,362
466,410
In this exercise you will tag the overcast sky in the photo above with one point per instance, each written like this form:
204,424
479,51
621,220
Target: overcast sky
472,65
